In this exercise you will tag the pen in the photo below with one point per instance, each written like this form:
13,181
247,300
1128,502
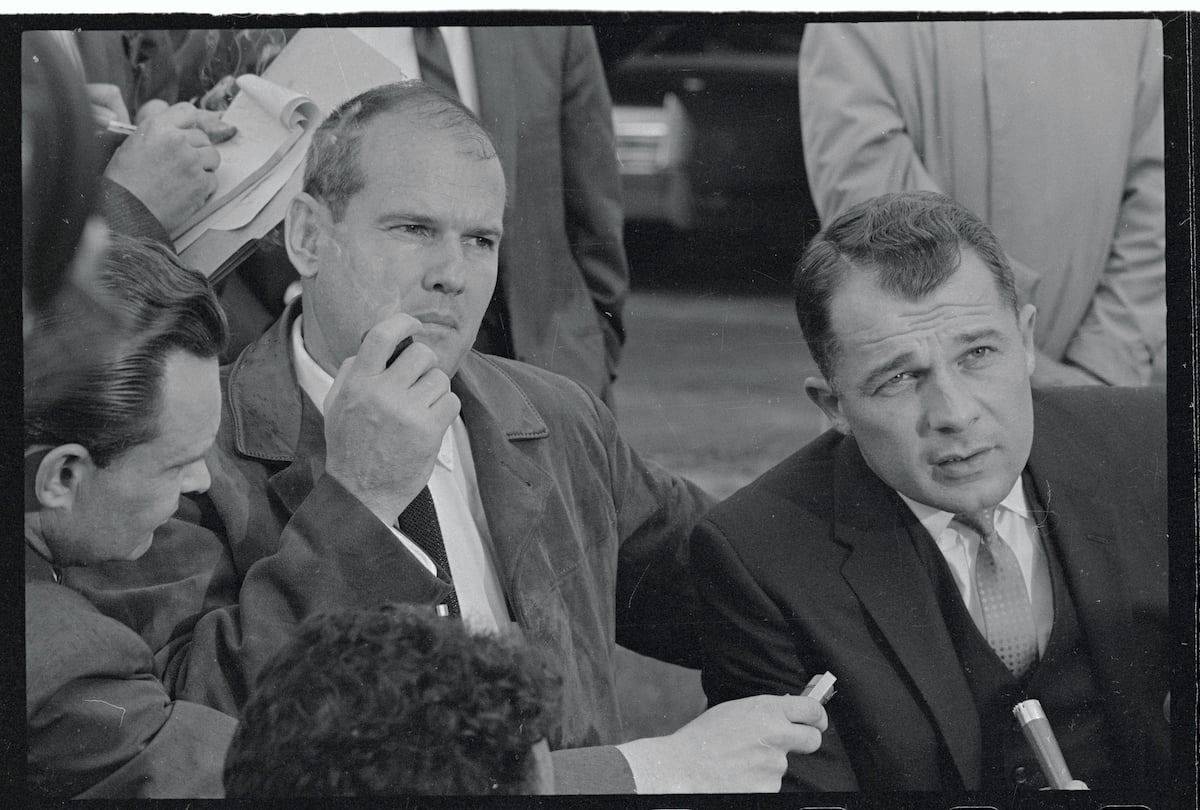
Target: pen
120,128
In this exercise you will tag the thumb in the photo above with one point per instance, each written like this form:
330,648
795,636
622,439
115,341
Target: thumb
217,130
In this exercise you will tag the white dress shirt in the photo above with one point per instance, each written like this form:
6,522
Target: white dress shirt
397,45
1016,526
455,492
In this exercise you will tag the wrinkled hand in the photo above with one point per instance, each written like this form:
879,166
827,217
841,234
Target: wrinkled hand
383,426
735,747
1049,372
169,163
107,103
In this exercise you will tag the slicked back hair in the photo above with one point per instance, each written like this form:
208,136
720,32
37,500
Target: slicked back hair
115,405
911,241
333,169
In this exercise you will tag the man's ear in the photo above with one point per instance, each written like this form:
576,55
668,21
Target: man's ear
303,229
58,475
826,398
1026,320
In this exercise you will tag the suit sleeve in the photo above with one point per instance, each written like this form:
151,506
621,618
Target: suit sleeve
749,649
592,187
656,606
213,623
126,214
100,724
333,553
1124,330
856,142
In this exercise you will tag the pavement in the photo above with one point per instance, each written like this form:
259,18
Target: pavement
711,386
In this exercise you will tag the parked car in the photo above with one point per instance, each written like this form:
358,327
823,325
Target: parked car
706,116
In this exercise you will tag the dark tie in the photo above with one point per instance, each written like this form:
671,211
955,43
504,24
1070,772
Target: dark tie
433,60
1004,601
419,522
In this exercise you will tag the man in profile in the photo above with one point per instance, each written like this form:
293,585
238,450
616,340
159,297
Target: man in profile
107,458
955,544
395,701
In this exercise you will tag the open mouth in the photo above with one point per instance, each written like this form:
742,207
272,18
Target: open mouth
959,465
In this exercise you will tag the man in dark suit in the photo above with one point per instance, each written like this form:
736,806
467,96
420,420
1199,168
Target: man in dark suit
954,545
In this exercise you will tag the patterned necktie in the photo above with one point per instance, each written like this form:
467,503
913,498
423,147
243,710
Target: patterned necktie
1004,601
419,522
433,60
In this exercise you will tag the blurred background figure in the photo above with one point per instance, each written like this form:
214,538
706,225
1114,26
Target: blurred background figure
66,328
210,59
155,181
1050,130
541,93
395,701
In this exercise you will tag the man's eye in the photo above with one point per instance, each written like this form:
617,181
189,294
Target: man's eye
483,242
980,353
895,382
411,228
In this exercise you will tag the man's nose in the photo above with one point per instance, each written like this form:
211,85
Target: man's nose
447,268
950,403
196,477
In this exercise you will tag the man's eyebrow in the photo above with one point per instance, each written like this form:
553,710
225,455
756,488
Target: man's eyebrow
888,368
407,216
975,335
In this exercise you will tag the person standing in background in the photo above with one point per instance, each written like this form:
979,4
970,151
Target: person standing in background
1050,130
540,92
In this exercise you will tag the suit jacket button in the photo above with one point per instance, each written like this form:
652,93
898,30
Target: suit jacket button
1020,775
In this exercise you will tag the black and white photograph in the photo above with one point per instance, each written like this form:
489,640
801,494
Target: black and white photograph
647,409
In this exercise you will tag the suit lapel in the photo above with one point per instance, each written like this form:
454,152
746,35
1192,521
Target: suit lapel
494,49
887,576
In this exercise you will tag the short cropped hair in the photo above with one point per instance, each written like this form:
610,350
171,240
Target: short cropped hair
115,404
333,171
393,701
912,241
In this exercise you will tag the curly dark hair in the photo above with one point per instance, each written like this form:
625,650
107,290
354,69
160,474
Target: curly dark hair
392,701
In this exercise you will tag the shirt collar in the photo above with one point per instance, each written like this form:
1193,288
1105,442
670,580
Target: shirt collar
936,520
316,382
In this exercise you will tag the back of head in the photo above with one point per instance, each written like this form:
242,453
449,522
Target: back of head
911,241
332,172
113,404
392,701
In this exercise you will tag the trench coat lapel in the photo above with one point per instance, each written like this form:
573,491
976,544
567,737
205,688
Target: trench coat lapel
512,487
